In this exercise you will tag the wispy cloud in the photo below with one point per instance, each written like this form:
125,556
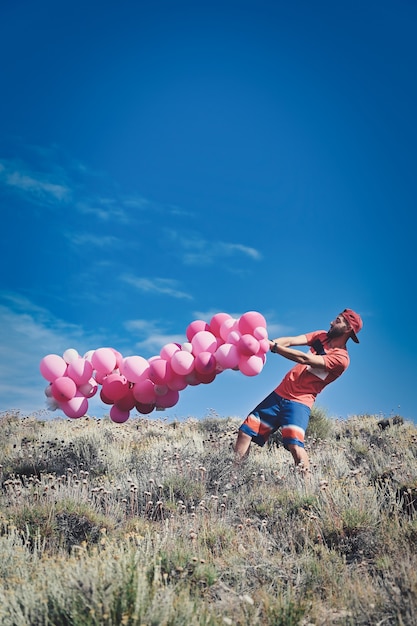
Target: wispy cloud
196,250
164,286
60,181
34,185
27,334
137,202
154,343
104,209
229,249
154,335
89,239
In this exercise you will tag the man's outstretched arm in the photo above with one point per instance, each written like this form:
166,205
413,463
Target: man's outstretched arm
282,346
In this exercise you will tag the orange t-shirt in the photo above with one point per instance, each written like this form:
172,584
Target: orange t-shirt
303,382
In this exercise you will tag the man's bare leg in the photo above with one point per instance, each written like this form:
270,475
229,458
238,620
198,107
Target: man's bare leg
242,446
241,450
300,457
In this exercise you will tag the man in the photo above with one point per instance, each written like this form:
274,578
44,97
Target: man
288,406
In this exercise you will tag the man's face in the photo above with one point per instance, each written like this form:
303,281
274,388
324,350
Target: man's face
338,327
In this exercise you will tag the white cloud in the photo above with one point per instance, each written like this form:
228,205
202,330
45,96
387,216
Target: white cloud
154,343
144,327
89,239
199,251
164,286
137,203
27,334
105,209
35,185
230,248
155,335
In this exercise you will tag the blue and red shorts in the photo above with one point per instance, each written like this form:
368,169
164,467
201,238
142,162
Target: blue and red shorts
276,412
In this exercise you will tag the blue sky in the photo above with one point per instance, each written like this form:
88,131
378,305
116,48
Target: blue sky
164,161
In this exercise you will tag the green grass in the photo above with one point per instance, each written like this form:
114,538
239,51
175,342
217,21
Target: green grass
106,524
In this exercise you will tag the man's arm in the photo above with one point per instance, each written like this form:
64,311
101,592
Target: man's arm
282,346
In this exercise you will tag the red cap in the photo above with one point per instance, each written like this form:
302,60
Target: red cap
355,322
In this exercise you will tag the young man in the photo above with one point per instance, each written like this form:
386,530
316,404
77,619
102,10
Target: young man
288,406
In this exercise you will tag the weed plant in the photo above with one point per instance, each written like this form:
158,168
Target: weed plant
135,524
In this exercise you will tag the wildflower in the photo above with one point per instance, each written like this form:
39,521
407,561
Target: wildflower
246,598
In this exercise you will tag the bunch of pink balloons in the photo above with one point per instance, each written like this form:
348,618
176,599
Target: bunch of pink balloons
134,382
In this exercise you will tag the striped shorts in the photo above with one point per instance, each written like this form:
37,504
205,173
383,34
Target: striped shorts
275,412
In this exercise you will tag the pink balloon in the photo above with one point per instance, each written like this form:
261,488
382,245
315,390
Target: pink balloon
251,365
216,322
227,356
63,388
80,371
168,400
182,362
115,386
76,407
144,391
187,346
135,368
128,402
168,350
204,341
89,389
264,346
205,363
70,355
104,360
52,366
248,345
233,337
161,390
195,327
99,377
260,333
251,320
119,358
177,382
159,371
205,378
104,398
118,416
192,379
227,326
144,408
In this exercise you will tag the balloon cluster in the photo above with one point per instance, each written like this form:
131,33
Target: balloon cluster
147,384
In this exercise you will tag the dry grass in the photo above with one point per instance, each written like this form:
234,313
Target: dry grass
106,524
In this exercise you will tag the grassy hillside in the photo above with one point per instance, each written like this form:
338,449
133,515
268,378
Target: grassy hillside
106,524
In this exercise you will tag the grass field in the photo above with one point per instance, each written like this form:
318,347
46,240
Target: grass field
106,524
